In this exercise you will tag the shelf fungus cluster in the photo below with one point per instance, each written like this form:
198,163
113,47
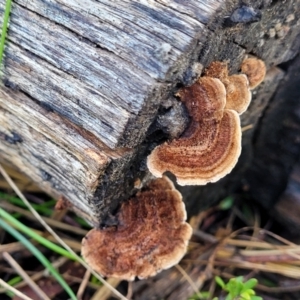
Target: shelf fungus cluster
151,235
209,148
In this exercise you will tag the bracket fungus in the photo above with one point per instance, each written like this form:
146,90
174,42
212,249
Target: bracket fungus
151,235
238,94
209,148
255,69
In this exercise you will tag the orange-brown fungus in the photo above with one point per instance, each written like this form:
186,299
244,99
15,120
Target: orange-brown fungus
152,235
217,69
238,95
255,69
210,147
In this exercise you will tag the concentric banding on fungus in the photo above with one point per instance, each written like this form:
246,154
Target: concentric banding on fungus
210,147
238,94
198,99
255,69
152,235
207,155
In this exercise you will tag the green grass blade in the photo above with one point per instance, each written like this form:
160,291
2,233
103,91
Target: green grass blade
42,208
4,28
13,282
35,236
40,256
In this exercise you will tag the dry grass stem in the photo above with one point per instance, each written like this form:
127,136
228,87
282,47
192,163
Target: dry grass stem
245,128
51,231
49,221
11,247
22,181
13,290
286,270
38,275
266,253
103,292
212,289
280,289
74,279
255,244
83,284
204,236
76,246
277,237
10,270
129,290
188,278
25,277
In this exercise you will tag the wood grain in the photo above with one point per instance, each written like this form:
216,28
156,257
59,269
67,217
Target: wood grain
85,80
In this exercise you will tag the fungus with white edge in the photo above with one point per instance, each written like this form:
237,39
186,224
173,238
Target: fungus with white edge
238,94
151,235
211,145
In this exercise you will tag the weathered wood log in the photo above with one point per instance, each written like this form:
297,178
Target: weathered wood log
86,82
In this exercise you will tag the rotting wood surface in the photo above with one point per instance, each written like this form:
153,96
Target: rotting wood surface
83,83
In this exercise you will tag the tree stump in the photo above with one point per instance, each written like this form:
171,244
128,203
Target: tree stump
85,84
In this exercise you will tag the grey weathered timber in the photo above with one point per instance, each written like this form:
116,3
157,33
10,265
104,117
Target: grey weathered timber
86,82
83,82
46,138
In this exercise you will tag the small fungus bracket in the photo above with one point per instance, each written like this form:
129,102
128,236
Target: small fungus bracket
255,70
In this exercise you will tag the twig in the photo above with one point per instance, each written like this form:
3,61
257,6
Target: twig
74,279
256,244
245,128
37,275
275,236
25,277
9,270
212,289
76,246
83,284
188,279
278,289
103,292
206,237
13,290
51,231
289,271
11,247
129,290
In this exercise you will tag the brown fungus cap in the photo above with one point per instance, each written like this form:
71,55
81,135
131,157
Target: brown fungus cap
238,94
198,99
255,69
151,236
210,147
